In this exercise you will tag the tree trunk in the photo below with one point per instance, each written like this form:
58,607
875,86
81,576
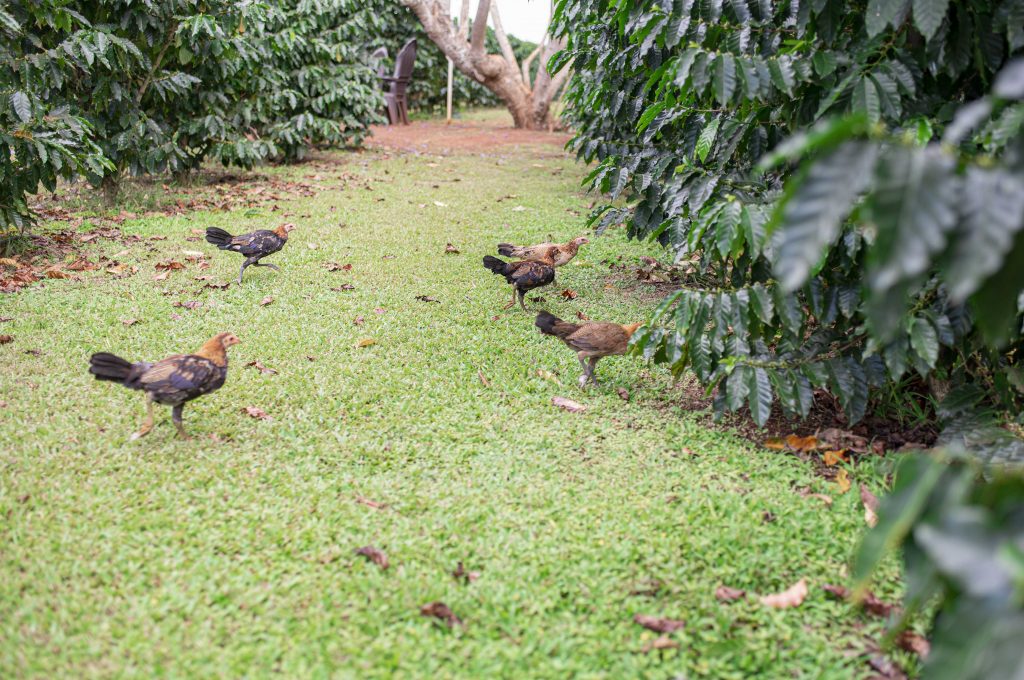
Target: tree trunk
530,107
111,187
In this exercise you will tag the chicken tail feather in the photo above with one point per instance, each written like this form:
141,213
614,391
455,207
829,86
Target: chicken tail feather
218,237
506,249
549,324
495,265
107,366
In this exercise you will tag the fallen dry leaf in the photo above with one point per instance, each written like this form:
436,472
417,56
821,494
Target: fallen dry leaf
129,322
375,555
569,294
483,380
623,394
659,643
843,481
460,574
439,610
912,642
451,250
727,594
255,412
548,375
188,304
258,365
4,339
790,597
805,492
169,265
837,592
427,298
266,301
658,625
582,317
379,310
802,444
774,443
157,238
58,274
6,318
835,438
335,267
833,458
343,287
870,502
358,320
312,246
568,404
370,503
366,342
876,607
439,204
159,277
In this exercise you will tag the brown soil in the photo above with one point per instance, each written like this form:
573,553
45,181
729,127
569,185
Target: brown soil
472,136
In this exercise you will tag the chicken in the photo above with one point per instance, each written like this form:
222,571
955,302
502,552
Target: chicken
524,276
557,253
591,340
255,246
173,381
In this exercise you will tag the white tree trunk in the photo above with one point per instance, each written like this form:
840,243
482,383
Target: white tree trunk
501,74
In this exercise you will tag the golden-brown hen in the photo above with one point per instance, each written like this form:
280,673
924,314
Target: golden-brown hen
555,254
590,341
172,381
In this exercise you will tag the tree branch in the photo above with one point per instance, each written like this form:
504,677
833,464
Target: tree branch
464,19
506,46
528,61
479,38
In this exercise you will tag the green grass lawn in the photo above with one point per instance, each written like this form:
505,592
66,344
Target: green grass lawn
233,554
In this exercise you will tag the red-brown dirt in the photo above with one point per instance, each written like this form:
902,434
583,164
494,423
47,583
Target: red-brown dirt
474,136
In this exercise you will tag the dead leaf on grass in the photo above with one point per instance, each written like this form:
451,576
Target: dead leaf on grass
6,318
790,597
912,642
375,555
569,294
58,274
379,310
833,458
343,287
548,375
582,317
366,342
569,405
659,643
658,625
129,322
255,412
427,298
160,277
801,444
774,443
483,380
370,503
439,610
876,607
335,267
623,393
806,493
460,574
870,502
449,249
837,592
843,481
358,320
258,365
312,246
4,339
727,594
169,265
266,301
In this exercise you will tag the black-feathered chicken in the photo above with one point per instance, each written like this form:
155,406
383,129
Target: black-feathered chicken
524,276
255,246
173,381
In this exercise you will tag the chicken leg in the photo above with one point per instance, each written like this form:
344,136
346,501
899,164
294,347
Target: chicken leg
147,424
266,264
176,419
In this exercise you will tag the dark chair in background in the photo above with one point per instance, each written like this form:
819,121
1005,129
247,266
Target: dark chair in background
397,85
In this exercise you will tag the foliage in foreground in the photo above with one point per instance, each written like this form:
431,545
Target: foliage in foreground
962,539
159,86
892,256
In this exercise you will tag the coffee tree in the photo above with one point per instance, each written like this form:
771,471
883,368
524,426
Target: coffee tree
837,177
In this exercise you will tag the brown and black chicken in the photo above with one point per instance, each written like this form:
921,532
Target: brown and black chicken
173,381
524,276
591,341
555,254
255,246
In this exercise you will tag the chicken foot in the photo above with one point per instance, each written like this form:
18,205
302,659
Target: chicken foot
147,424
266,264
